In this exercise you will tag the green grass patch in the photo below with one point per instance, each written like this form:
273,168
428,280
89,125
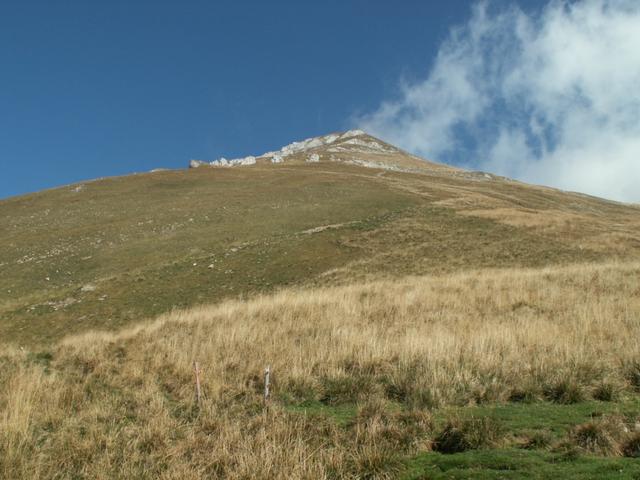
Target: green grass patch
521,418
341,414
518,464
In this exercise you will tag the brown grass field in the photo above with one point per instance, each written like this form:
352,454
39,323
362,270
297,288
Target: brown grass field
365,377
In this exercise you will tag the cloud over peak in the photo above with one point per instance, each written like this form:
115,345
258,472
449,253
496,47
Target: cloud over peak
551,97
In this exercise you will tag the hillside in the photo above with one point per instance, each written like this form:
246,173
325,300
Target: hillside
109,252
420,321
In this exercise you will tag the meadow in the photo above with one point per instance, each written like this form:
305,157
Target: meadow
488,373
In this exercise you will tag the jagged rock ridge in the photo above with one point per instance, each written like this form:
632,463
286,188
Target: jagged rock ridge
353,146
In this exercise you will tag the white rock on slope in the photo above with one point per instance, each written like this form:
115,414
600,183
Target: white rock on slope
352,133
347,142
371,145
223,162
196,163
307,144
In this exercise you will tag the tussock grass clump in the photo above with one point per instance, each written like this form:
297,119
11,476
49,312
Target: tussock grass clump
609,435
299,390
343,389
376,421
538,439
600,437
564,391
526,394
371,461
460,435
631,369
406,384
597,437
631,447
606,392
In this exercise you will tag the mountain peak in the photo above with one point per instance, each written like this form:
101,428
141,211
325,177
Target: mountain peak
352,146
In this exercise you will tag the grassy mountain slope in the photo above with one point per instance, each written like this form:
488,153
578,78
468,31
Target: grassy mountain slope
513,373
421,321
110,252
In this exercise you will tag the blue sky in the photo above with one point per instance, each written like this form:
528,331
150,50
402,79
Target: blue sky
91,89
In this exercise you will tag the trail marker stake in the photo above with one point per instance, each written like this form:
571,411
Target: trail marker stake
267,384
196,369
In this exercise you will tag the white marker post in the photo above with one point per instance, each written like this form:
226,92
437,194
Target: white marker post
267,384
196,369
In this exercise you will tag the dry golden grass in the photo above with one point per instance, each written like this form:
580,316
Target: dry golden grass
552,219
122,405
599,234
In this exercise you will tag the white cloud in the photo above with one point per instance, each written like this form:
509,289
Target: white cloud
551,98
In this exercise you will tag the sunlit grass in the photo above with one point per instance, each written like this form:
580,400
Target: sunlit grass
365,377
